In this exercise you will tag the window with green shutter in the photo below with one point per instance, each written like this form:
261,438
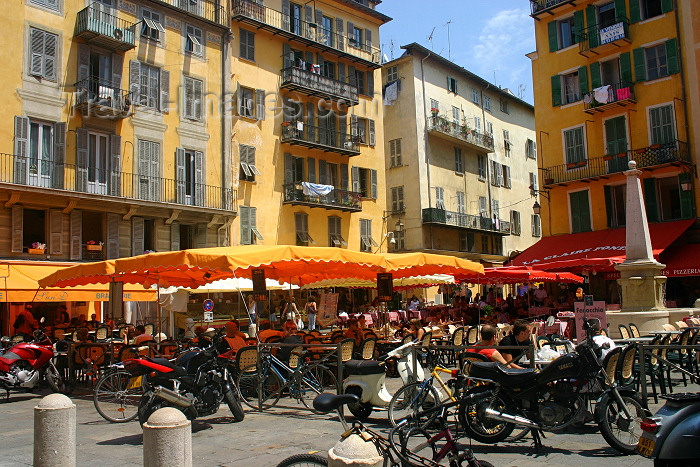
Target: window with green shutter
574,146
556,90
580,211
650,200
661,125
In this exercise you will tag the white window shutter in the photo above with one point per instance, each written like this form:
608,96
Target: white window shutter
164,91
56,228
180,174
50,56
36,46
76,234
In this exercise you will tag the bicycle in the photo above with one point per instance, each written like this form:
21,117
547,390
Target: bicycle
261,388
395,454
117,394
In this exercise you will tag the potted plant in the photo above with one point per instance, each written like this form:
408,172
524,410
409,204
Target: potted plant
434,111
94,245
549,181
37,248
571,165
607,157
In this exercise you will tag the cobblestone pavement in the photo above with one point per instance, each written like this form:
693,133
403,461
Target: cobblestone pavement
264,439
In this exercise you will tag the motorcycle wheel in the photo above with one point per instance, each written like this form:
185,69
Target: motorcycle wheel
303,460
234,404
56,381
620,433
149,403
409,400
360,410
475,423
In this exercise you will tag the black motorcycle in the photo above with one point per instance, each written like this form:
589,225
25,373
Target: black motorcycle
552,399
196,383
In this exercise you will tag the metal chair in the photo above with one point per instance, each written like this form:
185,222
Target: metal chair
367,346
102,333
610,363
467,358
634,330
473,335
624,332
626,374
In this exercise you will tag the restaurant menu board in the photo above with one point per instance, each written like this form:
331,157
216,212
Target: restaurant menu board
597,310
327,309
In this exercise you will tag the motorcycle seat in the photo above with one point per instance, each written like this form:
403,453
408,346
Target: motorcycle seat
179,371
501,373
364,367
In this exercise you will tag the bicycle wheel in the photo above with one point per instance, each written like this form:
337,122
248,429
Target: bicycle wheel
303,460
412,400
314,381
412,446
115,398
248,382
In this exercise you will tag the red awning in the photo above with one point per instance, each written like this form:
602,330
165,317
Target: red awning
682,260
600,249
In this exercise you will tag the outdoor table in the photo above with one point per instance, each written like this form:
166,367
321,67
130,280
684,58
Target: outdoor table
634,340
368,319
402,314
393,316
665,332
559,327
539,310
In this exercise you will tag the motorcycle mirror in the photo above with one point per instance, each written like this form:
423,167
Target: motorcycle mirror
550,321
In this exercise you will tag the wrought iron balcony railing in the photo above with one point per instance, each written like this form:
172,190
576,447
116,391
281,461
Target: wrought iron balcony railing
213,11
310,33
97,26
608,96
440,124
299,133
655,155
44,173
313,84
539,6
466,221
598,36
96,97
342,200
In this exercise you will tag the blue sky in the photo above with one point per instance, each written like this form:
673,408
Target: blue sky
485,36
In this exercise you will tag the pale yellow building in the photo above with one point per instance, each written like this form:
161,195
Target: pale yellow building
460,160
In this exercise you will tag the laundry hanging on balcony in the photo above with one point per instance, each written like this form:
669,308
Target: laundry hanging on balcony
391,93
316,189
300,125
602,94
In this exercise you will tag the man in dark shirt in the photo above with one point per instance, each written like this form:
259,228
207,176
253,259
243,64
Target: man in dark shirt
520,337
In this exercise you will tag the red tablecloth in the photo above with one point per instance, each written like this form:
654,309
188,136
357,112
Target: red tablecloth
559,327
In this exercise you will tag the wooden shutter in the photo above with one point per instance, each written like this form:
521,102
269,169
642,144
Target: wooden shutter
286,13
21,149
83,62
288,169
59,154
355,171
621,9
56,229
556,90
244,219
287,54
164,91
341,72
368,40
50,56
339,23
188,108
36,45
343,128
311,167
323,172
117,65
625,69
640,65
260,104
180,175
592,23
115,168
252,217
583,81
596,79
308,18
352,77
199,176
17,228
372,139
343,176
310,122
672,56
370,82
137,236
553,36
686,196
607,191
81,159
650,200
175,236
201,234
666,6
635,11
113,222
579,26
135,80
76,234
318,18
373,183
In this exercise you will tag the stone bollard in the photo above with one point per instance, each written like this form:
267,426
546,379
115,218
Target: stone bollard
54,432
354,451
167,439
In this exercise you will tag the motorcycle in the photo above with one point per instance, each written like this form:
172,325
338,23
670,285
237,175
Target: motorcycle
671,437
196,383
25,365
366,379
552,399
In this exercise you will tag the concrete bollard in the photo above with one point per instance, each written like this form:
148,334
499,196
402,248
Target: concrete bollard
54,432
354,451
167,439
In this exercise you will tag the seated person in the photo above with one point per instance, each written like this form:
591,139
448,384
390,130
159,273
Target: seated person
488,339
82,335
353,331
93,323
141,335
201,339
290,337
604,342
415,327
234,338
267,332
519,338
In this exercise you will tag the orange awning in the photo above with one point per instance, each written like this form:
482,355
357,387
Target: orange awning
19,282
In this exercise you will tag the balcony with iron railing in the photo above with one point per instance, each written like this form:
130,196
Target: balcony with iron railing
213,11
314,84
597,39
675,153
441,126
98,98
465,221
307,33
299,133
39,173
339,200
101,28
538,7
609,96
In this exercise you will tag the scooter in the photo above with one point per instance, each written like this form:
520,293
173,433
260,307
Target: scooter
366,379
672,435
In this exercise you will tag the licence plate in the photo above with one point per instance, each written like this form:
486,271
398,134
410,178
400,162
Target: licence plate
135,382
645,447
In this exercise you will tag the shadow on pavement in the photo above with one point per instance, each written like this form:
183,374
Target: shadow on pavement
133,440
529,451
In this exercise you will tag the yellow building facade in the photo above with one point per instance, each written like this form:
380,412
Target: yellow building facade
114,141
610,88
307,123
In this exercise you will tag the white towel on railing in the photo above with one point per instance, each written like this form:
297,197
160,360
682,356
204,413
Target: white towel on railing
391,93
602,94
300,125
315,189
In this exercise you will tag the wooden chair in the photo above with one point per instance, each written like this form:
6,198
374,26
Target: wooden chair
669,327
467,358
634,330
102,333
681,325
128,351
366,351
473,335
542,341
626,374
604,332
295,357
149,327
610,363
624,332
246,358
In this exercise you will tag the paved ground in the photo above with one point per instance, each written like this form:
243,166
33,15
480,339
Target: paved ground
264,439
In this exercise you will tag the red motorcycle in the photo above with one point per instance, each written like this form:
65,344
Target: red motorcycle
25,364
